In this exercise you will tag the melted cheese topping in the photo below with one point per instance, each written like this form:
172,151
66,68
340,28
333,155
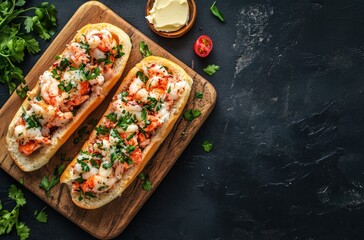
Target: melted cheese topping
134,118
80,71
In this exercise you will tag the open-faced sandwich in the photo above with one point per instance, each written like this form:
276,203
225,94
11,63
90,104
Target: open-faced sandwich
65,94
147,104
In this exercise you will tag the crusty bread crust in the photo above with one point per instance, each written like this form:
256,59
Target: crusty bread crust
148,152
41,156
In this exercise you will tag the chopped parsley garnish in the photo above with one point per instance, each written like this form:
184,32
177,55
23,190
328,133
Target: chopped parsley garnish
66,88
128,160
32,121
55,74
101,130
141,76
153,104
198,95
63,64
106,60
118,49
122,95
90,194
130,136
94,163
144,49
113,157
207,146
94,73
191,114
84,165
107,165
85,46
38,98
211,69
22,92
130,148
147,185
126,120
46,184
80,180
115,134
112,117
41,216
144,116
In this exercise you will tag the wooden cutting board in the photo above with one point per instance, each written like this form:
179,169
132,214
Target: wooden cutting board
110,220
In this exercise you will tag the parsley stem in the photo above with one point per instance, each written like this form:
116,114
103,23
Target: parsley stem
12,15
7,58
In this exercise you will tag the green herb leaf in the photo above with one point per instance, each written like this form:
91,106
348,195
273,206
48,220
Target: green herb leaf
112,117
41,216
207,146
147,185
142,176
84,165
211,69
90,194
22,231
47,184
32,121
119,53
106,165
191,114
10,219
217,12
130,136
22,92
141,76
101,130
17,195
45,21
144,49
198,95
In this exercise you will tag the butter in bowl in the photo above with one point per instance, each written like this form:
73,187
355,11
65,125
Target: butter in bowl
170,18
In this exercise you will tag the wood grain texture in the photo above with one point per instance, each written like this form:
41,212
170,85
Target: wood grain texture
110,220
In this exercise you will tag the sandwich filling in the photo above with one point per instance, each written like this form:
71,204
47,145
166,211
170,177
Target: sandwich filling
125,132
86,64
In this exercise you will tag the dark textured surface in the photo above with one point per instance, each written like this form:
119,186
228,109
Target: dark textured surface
286,129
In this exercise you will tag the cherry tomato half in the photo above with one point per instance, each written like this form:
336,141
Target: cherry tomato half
203,46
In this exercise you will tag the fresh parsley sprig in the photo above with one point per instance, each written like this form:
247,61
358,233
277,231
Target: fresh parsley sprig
191,114
41,216
15,38
207,146
147,184
48,183
144,49
9,219
211,69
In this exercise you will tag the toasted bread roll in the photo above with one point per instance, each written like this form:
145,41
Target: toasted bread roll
147,104
75,84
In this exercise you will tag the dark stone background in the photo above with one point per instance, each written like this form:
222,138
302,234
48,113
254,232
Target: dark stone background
286,129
